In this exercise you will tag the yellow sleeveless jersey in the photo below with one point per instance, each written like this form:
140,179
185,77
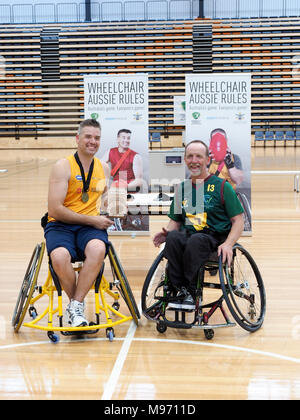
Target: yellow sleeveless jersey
75,188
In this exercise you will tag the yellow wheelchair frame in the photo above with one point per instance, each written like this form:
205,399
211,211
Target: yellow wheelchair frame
102,289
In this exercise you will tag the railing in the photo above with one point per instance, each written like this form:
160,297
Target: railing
131,10
102,11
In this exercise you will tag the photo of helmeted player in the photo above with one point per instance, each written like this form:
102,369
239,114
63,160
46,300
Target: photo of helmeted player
228,165
224,163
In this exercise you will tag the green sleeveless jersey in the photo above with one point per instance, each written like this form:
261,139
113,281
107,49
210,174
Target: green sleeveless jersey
206,206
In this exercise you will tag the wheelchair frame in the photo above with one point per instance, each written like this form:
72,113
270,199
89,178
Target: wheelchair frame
101,288
235,292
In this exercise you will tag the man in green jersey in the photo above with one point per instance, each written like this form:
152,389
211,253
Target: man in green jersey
205,215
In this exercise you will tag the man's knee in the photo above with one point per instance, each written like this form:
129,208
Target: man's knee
96,250
198,239
60,256
200,245
174,237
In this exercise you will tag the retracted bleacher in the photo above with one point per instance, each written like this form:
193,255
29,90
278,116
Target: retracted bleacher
41,93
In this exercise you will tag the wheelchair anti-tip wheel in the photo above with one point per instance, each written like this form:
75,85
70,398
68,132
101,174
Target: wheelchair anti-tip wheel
243,289
28,286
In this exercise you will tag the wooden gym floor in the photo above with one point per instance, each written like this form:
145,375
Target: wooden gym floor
141,363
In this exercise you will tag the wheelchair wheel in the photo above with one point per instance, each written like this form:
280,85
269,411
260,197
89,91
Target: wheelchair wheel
154,289
247,210
28,286
123,285
243,289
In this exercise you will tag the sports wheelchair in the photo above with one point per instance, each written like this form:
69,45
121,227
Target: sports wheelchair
241,285
103,291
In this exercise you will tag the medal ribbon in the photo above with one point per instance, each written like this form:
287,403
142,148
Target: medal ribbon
86,182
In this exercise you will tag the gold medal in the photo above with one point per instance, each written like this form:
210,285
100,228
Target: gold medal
84,197
86,183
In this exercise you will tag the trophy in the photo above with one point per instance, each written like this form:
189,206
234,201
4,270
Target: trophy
117,200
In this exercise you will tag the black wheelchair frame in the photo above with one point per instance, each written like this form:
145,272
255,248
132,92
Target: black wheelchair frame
242,290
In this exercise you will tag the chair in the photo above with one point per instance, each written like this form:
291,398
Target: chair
279,135
290,135
269,135
106,300
156,138
259,136
242,290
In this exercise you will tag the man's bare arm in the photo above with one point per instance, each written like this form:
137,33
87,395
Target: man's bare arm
137,168
160,237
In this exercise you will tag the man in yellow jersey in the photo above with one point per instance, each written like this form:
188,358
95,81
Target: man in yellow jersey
75,230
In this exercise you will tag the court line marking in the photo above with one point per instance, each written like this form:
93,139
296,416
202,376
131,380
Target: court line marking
161,220
113,380
130,338
110,386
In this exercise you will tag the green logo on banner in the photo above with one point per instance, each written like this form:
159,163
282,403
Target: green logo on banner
94,115
196,115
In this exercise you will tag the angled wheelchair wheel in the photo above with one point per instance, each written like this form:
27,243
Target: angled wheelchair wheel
243,289
122,284
28,286
154,289
247,210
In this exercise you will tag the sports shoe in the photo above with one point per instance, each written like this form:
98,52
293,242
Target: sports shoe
183,301
176,304
75,314
188,303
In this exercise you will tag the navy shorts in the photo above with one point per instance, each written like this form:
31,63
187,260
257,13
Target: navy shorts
72,237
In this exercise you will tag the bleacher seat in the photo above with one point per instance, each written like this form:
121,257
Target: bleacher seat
259,136
269,135
279,135
290,135
155,138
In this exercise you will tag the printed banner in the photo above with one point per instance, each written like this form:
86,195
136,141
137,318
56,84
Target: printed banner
218,111
120,104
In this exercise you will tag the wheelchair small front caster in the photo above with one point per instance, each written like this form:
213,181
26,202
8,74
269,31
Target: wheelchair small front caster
110,333
116,305
32,312
209,334
53,337
161,327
